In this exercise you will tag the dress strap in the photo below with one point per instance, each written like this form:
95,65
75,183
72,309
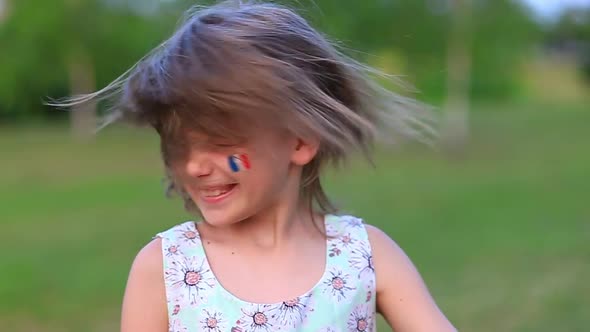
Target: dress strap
186,272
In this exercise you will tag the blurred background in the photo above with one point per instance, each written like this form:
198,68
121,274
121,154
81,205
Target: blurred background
497,218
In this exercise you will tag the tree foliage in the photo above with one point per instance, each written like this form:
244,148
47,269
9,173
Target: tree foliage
40,37
571,33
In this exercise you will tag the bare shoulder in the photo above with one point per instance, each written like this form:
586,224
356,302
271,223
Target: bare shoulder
380,240
149,259
144,303
402,296
387,254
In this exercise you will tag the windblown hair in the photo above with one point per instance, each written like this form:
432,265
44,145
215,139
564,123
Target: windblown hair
236,67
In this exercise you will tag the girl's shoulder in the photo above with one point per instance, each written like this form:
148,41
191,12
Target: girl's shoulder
345,226
402,281
186,228
146,273
149,259
180,240
341,225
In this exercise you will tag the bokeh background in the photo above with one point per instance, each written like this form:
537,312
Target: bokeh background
496,216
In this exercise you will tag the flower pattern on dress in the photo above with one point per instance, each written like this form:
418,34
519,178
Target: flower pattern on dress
176,326
347,240
370,290
174,310
342,300
212,321
337,284
256,318
329,329
334,250
360,319
190,276
343,242
188,234
362,260
292,313
353,221
333,231
172,250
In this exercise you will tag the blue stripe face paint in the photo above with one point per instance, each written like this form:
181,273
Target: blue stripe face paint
238,162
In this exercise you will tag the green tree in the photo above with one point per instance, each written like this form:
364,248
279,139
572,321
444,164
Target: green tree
56,48
64,47
501,34
572,33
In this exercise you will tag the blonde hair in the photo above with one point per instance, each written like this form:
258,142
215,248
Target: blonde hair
237,66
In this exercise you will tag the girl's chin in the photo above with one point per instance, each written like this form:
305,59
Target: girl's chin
220,218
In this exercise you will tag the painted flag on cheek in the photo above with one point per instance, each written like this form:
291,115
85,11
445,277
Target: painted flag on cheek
238,162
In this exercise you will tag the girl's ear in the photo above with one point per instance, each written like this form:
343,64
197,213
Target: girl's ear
304,151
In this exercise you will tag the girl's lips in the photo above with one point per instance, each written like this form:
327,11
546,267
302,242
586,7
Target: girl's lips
216,195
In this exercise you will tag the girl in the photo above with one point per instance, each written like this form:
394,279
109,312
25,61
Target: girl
250,103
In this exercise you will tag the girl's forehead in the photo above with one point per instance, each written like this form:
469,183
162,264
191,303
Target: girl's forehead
226,136
253,134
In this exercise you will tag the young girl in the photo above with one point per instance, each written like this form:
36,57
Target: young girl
250,103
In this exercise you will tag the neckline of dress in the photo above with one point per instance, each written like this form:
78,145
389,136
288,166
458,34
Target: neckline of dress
326,219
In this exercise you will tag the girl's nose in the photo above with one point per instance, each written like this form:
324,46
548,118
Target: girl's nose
198,165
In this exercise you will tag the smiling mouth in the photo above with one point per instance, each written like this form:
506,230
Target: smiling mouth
215,194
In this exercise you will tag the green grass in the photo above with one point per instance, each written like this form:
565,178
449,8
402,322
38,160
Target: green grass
501,236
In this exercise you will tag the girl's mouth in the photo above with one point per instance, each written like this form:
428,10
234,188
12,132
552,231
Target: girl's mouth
218,193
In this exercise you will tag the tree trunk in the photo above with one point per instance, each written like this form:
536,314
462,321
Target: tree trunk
83,118
455,130
4,10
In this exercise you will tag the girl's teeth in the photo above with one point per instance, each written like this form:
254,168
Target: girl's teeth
216,192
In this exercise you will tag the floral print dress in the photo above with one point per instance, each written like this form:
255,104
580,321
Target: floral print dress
343,300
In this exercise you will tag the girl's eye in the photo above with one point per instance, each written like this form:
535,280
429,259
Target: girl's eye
224,145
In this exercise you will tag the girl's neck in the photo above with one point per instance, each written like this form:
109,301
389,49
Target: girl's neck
271,228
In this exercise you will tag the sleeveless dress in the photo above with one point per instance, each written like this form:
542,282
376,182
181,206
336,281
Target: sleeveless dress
343,299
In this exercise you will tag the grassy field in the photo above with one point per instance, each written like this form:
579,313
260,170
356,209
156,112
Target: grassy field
502,235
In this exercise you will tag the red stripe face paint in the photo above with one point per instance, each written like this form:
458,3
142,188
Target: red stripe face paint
238,162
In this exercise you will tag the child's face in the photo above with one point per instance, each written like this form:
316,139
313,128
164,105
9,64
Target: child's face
233,183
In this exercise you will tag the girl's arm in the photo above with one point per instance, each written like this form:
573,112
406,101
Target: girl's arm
402,296
144,304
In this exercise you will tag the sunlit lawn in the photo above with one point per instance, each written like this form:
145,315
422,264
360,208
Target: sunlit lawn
502,236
